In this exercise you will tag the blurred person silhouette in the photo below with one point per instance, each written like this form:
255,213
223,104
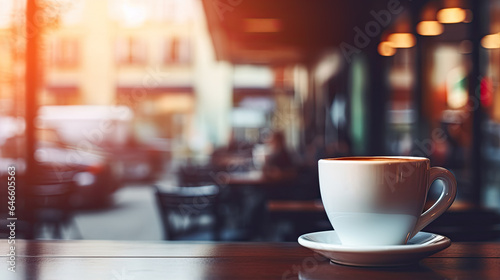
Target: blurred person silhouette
235,156
279,163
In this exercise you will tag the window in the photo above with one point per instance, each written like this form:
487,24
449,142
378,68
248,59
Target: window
177,51
64,53
131,51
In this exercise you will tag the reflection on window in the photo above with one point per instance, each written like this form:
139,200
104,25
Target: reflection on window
64,53
131,51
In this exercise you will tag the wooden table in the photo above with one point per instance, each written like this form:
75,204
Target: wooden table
246,178
118,260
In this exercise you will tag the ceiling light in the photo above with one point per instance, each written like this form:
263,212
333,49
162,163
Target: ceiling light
491,41
429,28
401,40
451,15
386,49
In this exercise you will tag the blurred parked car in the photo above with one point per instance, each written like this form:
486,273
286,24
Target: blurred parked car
90,174
109,130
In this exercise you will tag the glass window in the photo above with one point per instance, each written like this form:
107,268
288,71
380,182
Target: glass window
131,51
177,51
64,53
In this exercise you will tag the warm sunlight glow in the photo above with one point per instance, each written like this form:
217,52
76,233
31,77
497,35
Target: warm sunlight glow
429,28
386,49
6,13
491,41
402,40
133,13
451,15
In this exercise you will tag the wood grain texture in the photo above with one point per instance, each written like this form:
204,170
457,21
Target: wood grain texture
175,260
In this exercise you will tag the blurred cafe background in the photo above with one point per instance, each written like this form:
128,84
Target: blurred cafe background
204,119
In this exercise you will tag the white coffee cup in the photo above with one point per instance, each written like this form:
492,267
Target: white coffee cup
380,200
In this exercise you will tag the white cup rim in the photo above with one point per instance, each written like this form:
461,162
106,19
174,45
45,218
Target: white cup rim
356,159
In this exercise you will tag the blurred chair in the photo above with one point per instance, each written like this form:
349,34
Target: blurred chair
289,219
47,209
195,175
189,213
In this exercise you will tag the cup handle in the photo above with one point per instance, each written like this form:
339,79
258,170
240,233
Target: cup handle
444,201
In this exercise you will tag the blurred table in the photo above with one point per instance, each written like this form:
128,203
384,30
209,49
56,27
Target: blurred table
119,260
256,178
246,178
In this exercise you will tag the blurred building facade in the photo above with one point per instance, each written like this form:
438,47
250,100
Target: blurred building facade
154,56
133,53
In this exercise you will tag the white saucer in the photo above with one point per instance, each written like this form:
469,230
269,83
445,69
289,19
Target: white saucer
327,243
